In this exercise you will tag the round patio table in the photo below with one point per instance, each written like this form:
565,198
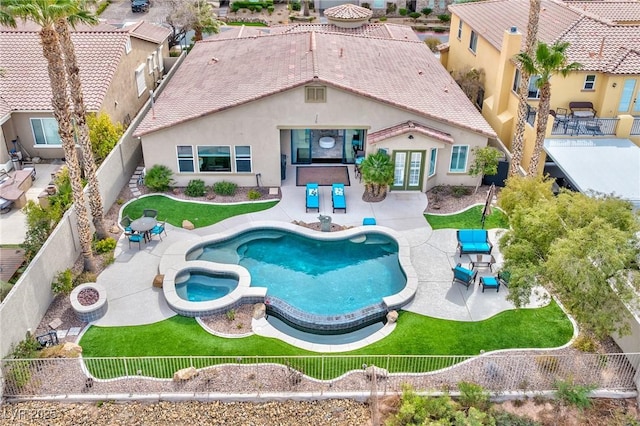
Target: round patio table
143,225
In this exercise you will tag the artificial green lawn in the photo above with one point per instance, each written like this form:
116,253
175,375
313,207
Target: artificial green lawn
200,214
415,334
469,219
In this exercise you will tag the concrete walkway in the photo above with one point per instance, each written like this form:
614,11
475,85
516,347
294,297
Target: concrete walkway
133,300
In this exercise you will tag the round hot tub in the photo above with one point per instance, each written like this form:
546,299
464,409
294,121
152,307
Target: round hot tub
327,142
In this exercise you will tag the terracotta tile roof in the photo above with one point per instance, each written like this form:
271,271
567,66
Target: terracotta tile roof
393,31
409,127
149,32
240,31
348,11
624,11
25,85
595,42
399,73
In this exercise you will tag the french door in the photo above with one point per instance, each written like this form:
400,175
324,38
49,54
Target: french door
408,170
630,97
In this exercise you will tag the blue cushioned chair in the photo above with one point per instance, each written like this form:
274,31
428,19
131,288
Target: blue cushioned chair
337,197
313,197
463,275
474,241
490,282
159,229
126,224
136,238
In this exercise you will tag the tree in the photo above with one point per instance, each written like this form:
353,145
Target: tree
104,134
580,248
80,113
196,15
45,13
547,61
377,172
517,146
470,81
485,163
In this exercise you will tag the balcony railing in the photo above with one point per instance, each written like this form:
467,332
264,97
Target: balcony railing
635,127
586,127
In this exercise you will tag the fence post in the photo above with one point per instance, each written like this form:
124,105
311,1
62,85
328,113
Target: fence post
126,368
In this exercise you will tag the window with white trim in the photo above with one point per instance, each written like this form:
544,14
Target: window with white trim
432,161
243,159
140,83
458,162
589,82
127,46
160,58
45,131
185,159
214,158
315,94
473,41
460,29
534,91
150,64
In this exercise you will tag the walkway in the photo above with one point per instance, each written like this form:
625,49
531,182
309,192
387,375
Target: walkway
133,300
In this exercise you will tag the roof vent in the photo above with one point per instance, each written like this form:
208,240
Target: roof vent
513,30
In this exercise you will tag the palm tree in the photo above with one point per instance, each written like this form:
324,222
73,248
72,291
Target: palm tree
45,13
80,113
377,172
204,20
518,138
548,61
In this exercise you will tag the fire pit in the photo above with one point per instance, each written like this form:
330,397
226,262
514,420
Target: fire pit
89,301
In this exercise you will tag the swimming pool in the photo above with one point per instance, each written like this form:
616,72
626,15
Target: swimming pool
316,280
202,286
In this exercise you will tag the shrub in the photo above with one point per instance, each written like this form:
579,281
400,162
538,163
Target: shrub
159,178
225,188
391,8
473,395
585,343
27,348
383,18
85,277
414,15
103,5
296,6
39,226
195,188
444,17
254,194
439,30
108,259
106,245
63,283
5,288
231,314
403,12
365,5
104,135
576,395
426,11
460,191
432,43
270,9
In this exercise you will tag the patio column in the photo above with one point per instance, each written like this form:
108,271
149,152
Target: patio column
623,130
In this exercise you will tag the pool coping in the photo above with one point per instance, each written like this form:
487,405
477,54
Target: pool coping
173,262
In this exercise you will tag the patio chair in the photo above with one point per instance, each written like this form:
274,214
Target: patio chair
150,213
561,116
313,197
503,277
158,230
463,275
593,127
338,200
126,224
135,238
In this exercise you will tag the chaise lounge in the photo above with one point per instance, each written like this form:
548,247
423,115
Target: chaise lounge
313,197
474,241
337,197
463,275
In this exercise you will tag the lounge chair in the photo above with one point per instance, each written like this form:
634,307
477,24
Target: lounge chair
463,275
337,197
474,241
313,197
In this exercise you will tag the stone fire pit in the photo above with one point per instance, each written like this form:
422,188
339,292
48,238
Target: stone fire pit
89,301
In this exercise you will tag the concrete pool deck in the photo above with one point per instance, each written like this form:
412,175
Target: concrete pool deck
133,300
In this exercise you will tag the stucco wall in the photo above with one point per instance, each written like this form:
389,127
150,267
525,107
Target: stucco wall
261,123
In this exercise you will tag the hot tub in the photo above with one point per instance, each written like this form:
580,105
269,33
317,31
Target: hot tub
327,142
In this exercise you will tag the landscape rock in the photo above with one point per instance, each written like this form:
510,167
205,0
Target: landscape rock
392,317
259,310
188,225
185,374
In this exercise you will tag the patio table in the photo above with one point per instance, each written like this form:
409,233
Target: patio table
482,260
143,225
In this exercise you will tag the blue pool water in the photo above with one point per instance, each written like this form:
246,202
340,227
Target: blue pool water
317,277
202,286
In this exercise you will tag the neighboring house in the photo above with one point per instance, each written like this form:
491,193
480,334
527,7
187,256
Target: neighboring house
242,102
118,67
604,37
380,7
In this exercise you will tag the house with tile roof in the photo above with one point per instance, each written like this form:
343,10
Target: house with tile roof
118,67
603,36
244,102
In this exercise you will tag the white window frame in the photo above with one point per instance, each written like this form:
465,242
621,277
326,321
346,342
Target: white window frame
589,82
141,83
184,157
473,41
516,81
466,158
460,23
155,60
150,64
243,157
160,58
315,94
127,46
214,171
433,159
532,80
33,133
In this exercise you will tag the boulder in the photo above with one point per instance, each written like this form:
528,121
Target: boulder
259,310
379,372
158,280
188,225
392,317
70,350
185,374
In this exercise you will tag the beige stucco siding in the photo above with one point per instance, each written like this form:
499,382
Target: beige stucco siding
264,125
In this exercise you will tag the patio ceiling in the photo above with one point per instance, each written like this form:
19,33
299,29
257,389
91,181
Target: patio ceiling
609,166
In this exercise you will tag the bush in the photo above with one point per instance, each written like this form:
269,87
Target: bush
415,15
63,282
103,5
296,6
391,8
271,9
439,30
460,191
85,277
27,348
444,17
585,343
403,11
254,194
231,314
473,395
195,188
159,178
426,11
383,18
104,135
5,288
576,395
106,245
432,43
225,188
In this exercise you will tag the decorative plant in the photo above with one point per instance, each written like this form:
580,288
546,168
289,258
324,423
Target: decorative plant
225,188
195,188
106,245
444,17
159,178
414,16
426,11
254,194
63,282
403,12
485,163
377,173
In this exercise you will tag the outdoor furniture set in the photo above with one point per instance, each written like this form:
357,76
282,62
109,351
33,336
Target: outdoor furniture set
580,118
476,244
144,228
338,199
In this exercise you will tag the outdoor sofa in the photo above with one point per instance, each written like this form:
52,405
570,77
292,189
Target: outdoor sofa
474,241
